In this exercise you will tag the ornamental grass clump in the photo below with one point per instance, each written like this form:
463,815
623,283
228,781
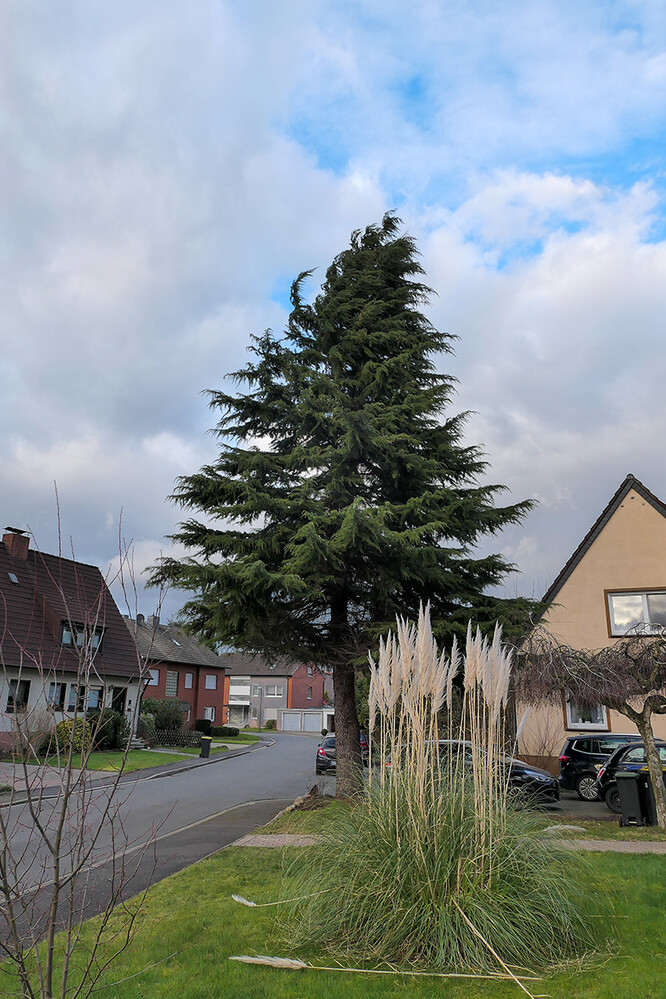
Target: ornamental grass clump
438,867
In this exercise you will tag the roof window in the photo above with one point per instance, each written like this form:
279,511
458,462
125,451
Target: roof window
13,578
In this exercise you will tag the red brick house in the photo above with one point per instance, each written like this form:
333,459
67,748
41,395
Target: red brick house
257,690
179,668
64,647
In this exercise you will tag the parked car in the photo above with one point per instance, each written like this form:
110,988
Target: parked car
582,757
532,783
632,758
325,758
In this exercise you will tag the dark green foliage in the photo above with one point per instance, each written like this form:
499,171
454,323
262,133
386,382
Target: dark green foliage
203,725
221,730
270,725
166,714
110,729
343,494
70,733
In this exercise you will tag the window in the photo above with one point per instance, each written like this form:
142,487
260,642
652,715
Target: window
637,612
255,713
19,693
255,690
209,713
189,679
77,697
588,716
211,681
309,693
274,690
309,670
94,701
171,687
154,677
56,696
76,634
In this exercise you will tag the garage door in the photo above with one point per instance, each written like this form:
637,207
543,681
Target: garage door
312,722
291,721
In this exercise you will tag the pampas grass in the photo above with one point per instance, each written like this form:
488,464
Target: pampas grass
437,868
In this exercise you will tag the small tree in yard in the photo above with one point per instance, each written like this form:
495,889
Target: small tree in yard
629,677
342,494
53,839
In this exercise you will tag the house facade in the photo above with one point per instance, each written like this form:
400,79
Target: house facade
257,691
177,667
63,643
613,584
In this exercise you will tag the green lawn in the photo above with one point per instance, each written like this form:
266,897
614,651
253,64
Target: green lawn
609,829
137,759
195,750
191,926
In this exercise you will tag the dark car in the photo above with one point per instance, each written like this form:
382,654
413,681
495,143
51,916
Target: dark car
532,783
581,758
631,758
325,758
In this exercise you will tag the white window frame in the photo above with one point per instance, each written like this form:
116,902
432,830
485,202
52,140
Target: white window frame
308,694
209,713
154,678
211,681
646,626
276,688
169,683
582,726
189,681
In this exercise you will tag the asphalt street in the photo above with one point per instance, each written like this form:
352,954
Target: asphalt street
161,823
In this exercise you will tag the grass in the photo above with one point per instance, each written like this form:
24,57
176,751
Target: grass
192,926
609,829
195,751
137,759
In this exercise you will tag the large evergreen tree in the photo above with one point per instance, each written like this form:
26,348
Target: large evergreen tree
342,494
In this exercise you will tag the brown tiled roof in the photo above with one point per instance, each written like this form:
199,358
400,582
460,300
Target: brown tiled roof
168,643
50,590
243,664
631,482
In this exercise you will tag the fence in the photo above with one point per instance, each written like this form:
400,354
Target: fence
176,737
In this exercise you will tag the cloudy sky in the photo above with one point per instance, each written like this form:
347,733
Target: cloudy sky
167,168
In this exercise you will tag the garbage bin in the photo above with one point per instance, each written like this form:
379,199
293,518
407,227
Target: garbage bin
647,799
205,747
632,798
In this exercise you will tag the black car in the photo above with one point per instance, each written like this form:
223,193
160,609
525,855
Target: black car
630,758
533,783
581,758
325,758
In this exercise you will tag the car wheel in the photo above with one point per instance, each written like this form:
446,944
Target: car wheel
586,788
613,799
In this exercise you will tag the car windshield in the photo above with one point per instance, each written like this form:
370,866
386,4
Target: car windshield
329,743
637,755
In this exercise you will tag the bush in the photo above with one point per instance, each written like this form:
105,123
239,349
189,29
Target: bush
110,730
404,878
146,728
270,725
203,725
171,738
69,733
224,730
166,714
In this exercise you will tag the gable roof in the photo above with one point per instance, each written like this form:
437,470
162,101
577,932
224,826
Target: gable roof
38,594
243,664
631,482
169,643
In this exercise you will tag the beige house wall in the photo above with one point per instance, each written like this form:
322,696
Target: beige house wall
628,554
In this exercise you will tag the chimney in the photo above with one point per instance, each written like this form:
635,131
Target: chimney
16,542
153,621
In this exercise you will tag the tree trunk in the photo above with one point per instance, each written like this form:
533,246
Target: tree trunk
643,722
347,736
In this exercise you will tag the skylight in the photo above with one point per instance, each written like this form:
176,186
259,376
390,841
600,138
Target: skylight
13,578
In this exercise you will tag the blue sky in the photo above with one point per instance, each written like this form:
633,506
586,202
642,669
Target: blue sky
167,169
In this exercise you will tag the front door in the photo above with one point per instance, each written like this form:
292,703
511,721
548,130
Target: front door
119,699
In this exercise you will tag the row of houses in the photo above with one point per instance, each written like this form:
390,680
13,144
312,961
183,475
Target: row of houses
65,647
54,612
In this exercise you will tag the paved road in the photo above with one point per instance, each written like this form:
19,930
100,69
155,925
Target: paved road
185,817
